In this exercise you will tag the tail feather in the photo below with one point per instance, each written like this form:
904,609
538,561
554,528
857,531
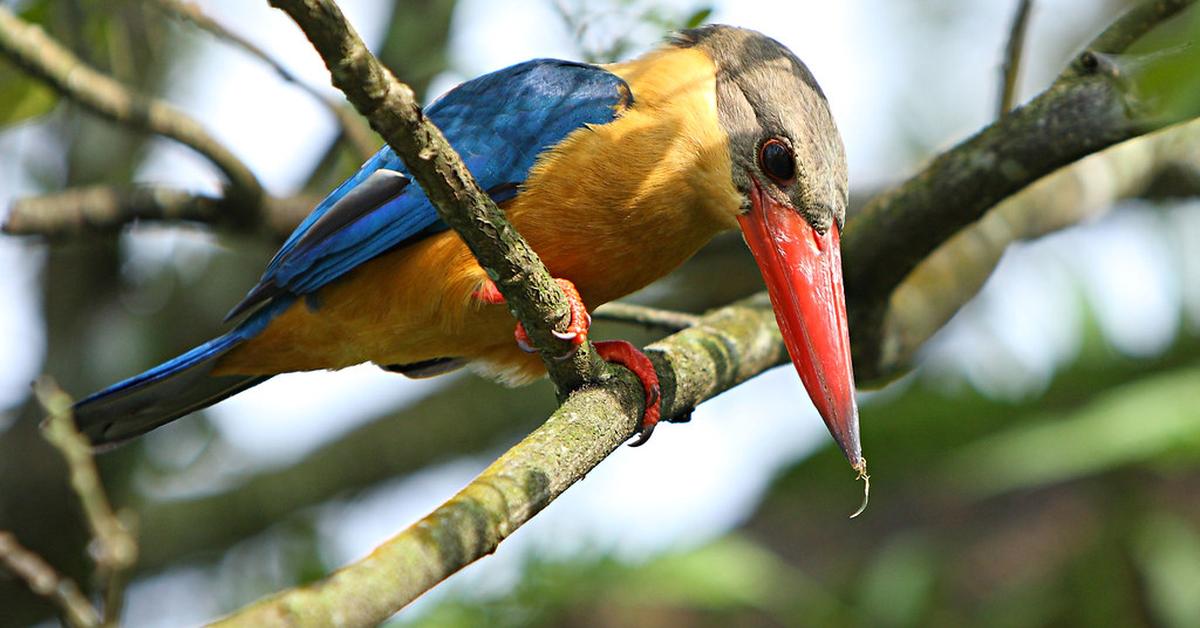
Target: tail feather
172,389
164,393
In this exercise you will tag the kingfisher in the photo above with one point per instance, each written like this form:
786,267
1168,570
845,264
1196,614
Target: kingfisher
615,175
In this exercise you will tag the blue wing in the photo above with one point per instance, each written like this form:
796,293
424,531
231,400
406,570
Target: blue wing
499,123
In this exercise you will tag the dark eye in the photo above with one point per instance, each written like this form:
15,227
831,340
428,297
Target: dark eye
775,159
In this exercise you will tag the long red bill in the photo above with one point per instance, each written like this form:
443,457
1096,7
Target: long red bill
803,273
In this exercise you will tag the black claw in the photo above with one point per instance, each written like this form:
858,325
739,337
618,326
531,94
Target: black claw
682,418
655,395
643,435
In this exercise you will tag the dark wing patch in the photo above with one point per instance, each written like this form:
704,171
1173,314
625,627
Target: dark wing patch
426,368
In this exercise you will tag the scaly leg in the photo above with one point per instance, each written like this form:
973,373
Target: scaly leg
614,351
624,353
580,319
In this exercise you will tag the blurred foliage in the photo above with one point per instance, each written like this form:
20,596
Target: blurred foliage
1072,507
22,97
610,31
1172,82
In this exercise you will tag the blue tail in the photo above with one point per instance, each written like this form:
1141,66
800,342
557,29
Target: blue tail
170,390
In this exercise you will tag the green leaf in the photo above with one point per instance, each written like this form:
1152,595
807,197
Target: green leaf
1138,422
1167,553
698,18
22,97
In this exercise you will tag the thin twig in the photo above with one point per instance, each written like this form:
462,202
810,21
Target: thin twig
355,130
43,580
1013,51
645,316
531,293
41,56
113,546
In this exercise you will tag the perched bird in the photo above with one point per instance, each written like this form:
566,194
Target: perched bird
615,174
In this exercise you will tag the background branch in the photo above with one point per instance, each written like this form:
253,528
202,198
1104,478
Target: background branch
28,46
645,316
45,581
102,208
1147,167
355,129
113,546
1083,112
1010,71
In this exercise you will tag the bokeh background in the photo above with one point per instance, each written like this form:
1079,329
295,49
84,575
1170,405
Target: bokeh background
1038,466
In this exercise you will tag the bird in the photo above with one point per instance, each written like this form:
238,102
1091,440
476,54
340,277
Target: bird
615,174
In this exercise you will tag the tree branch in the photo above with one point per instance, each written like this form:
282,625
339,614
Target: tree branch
727,347
355,130
41,56
1011,70
103,209
1084,111
954,273
531,293
113,546
645,316
45,581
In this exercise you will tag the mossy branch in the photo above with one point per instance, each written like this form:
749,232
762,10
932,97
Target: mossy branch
727,347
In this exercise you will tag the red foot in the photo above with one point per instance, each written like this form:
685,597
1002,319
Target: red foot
577,329
628,356
615,351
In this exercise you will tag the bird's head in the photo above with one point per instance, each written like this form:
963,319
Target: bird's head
789,167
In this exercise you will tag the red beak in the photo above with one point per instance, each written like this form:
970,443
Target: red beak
803,273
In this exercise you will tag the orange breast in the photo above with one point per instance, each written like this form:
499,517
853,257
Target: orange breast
612,208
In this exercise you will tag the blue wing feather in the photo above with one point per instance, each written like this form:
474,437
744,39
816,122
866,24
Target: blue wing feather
499,123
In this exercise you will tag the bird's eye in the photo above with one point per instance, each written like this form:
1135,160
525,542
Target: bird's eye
776,159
